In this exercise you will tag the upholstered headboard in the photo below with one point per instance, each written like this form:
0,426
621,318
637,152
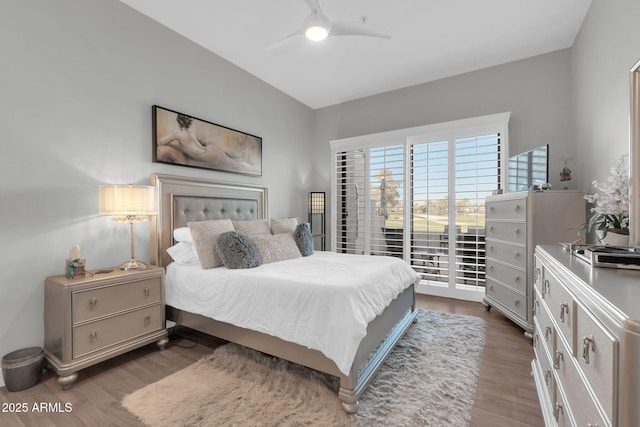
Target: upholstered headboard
183,199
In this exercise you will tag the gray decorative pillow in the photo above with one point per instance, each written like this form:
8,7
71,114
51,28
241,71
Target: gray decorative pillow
252,227
276,247
205,237
237,250
304,239
283,225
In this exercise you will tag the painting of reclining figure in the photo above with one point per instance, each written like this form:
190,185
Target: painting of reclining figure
187,141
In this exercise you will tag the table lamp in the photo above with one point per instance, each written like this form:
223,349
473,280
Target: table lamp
129,204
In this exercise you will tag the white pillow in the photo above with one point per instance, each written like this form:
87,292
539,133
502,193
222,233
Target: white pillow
283,225
182,234
184,253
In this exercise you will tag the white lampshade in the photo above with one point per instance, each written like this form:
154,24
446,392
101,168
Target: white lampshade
127,200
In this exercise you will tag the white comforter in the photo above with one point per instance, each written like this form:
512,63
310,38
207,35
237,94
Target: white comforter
324,301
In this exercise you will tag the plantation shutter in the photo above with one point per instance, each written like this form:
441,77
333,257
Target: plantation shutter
350,200
430,209
386,178
419,194
477,174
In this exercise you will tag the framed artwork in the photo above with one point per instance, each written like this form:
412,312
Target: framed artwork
183,140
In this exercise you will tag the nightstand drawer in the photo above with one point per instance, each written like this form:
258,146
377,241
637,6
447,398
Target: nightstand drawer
507,209
94,303
113,330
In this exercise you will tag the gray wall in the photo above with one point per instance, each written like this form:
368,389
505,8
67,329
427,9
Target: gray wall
535,90
77,82
78,79
606,48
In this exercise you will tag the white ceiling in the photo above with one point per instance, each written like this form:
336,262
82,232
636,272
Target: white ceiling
430,39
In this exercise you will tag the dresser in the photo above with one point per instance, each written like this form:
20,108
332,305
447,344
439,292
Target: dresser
515,224
107,313
586,341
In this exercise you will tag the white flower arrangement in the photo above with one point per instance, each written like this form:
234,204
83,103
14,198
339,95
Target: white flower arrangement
611,205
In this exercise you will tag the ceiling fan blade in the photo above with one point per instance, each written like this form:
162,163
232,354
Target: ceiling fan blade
284,40
313,5
358,29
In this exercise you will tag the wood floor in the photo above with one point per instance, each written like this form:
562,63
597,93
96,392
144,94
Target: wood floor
505,394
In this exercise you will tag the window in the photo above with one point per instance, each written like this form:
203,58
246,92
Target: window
419,194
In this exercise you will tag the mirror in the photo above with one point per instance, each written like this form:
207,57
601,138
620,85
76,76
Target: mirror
634,157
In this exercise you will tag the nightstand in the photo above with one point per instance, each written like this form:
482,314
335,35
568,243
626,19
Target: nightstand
89,320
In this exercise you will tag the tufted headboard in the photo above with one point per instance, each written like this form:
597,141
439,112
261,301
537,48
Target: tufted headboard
183,199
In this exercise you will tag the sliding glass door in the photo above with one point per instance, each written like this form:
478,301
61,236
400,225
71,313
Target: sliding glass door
421,198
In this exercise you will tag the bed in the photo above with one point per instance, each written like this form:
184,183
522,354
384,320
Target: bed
184,200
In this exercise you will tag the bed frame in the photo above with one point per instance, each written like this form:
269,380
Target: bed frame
192,199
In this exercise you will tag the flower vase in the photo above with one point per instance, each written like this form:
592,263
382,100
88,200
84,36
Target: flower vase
615,239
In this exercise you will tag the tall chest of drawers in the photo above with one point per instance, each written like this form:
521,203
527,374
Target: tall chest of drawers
515,224
586,341
92,319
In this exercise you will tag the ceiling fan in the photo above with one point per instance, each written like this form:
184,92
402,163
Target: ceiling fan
317,26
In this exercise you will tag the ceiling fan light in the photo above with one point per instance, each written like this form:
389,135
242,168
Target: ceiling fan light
316,33
317,27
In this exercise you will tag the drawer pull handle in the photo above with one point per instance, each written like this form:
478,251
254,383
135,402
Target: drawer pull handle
536,307
516,302
547,376
545,287
93,336
147,292
538,273
587,343
557,410
547,332
490,288
557,358
564,308
516,278
592,425
93,303
147,320
491,248
491,229
516,254
516,208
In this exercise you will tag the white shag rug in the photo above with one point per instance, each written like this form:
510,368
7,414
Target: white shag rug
429,379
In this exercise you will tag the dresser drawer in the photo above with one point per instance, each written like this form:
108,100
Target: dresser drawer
507,209
561,410
512,254
508,275
102,301
547,331
560,305
543,357
596,355
515,232
509,298
583,408
97,335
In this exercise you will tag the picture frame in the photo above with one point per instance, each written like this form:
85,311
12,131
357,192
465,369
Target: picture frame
184,140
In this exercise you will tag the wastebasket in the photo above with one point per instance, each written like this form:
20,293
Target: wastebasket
22,368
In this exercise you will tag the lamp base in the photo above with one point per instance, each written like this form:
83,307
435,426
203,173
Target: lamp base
133,264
